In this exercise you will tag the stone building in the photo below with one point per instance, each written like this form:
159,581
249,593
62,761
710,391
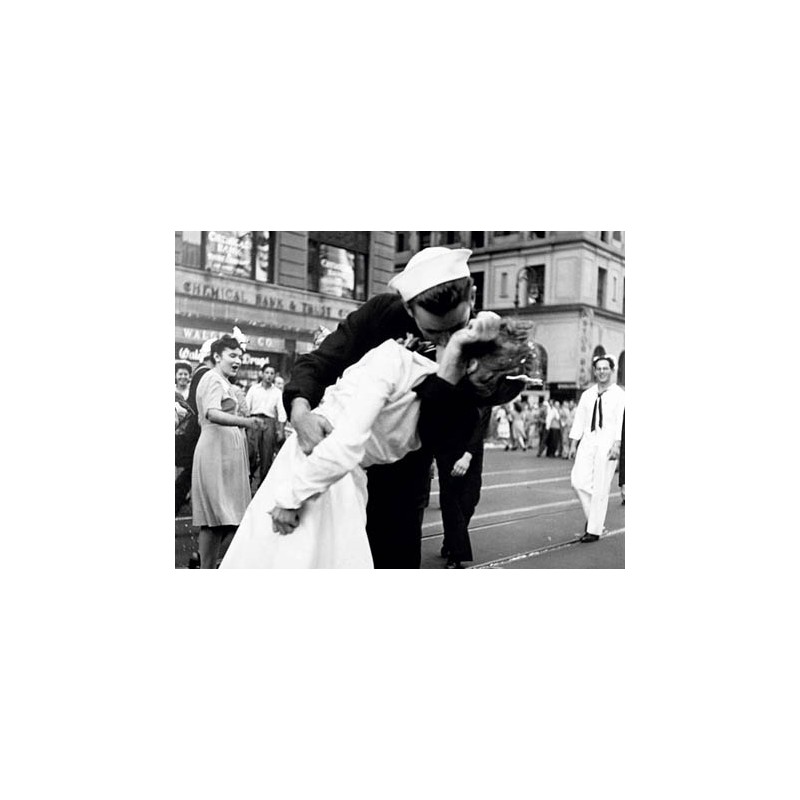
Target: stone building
279,287
569,284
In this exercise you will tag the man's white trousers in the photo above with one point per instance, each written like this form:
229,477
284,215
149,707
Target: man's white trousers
591,478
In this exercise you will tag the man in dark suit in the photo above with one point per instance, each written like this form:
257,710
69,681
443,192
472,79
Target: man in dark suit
434,297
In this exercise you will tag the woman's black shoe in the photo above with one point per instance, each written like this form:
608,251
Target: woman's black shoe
194,560
451,564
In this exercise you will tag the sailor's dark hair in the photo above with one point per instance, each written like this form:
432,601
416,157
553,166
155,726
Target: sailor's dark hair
604,358
443,298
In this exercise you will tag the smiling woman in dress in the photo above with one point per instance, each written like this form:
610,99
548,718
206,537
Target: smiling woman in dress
220,472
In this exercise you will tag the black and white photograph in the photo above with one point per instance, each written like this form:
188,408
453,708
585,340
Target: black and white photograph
399,399
407,401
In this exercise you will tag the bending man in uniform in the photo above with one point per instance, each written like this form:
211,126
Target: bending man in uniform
432,298
320,499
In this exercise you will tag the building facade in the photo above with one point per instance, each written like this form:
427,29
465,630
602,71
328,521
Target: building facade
278,287
569,284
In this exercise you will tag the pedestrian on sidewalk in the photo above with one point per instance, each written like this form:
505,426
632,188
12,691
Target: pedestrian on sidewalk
554,430
265,400
517,427
503,427
598,428
541,425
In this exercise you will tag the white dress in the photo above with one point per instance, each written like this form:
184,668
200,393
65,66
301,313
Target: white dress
374,414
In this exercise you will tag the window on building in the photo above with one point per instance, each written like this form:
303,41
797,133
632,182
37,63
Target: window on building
614,288
424,238
337,263
245,254
503,284
535,290
229,253
477,239
538,234
503,233
189,249
263,256
401,241
477,279
602,277
451,237
539,370
530,287
617,236
603,236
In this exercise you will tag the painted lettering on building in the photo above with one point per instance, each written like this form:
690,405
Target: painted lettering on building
271,298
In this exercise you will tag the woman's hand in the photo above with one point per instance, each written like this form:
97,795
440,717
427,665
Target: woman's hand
482,328
285,520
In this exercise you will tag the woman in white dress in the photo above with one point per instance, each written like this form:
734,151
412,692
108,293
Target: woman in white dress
317,503
220,469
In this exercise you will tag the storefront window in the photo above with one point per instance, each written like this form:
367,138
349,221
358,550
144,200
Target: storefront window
229,252
189,249
336,271
245,254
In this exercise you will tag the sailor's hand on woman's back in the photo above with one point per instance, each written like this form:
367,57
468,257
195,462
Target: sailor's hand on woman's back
310,428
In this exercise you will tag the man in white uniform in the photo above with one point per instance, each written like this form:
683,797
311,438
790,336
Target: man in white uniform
266,401
598,428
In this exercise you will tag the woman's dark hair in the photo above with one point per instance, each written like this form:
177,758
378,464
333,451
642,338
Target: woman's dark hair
183,365
442,299
509,354
224,343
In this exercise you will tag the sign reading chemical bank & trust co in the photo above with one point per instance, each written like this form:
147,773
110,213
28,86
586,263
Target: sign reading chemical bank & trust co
271,297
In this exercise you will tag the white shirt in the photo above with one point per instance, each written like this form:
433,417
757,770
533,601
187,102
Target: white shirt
374,414
266,401
613,401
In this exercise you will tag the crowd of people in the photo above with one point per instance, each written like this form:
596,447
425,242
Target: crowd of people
414,375
545,426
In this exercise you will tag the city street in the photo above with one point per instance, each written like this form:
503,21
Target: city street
528,518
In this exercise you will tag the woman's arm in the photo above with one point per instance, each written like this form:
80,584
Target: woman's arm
223,418
343,449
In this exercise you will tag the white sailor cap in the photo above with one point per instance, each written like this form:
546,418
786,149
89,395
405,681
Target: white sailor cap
429,268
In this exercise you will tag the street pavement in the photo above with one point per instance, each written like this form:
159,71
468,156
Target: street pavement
528,518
